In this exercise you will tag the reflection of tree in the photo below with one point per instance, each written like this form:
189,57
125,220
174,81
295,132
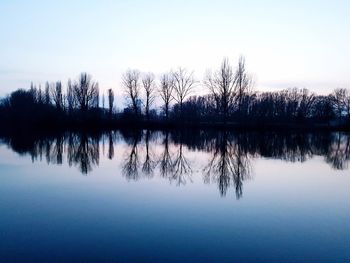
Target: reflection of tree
181,169
83,150
57,150
110,146
229,165
131,164
149,164
338,154
166,163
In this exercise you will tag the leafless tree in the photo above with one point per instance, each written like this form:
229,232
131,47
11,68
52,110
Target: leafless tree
110,101
70,96
47,98
243,83
149,88
339,99
306,103
184,83
56,95
222,84
166,92
86,92
132,88
347,103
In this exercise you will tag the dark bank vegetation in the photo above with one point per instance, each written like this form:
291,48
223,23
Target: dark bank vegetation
171,101
147,154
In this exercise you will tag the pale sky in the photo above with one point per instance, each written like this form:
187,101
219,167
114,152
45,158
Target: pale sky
286,43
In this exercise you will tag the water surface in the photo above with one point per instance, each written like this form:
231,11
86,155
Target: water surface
169,197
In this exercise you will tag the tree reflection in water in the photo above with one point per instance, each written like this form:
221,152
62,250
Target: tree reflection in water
149,163
338,154
83,151
229,164
131,161
166,162
181,168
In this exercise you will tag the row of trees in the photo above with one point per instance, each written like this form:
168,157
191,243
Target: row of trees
230,99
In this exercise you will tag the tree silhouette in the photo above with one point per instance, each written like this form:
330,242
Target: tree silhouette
166,92
132,89
221,84
242,84
184,83
149,89
110,102
86,92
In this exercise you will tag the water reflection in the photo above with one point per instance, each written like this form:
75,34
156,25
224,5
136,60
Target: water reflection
222,158
230,164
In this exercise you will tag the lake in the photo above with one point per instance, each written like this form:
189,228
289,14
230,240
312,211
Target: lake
151,196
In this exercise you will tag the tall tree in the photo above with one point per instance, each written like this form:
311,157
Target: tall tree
243,84
221,85
47,98
86,92
110,101
184,83
149,88
56,95
132,89
339,97
166,92
70,97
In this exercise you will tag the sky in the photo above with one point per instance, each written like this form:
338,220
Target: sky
286,44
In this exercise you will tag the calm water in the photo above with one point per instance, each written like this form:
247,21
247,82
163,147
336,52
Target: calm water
170,197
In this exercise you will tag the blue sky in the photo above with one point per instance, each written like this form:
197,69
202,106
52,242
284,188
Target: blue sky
286,43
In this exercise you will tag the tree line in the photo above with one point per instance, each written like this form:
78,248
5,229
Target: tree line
230,100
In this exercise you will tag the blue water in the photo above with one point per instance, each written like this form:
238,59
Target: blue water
288,209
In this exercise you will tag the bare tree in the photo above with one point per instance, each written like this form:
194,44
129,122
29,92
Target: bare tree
56,95
86,92
47,98
339,100
347,102
243,83
132,88
166,92
306,103
110,101
222,84
149,88
184,83
70,96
